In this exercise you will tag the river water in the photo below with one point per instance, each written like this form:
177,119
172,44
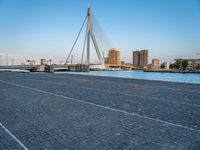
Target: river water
172,77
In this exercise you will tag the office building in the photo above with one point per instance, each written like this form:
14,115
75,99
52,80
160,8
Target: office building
191,63
136,58
143,58
114,56
140,58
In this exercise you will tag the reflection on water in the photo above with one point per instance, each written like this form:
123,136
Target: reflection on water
173,77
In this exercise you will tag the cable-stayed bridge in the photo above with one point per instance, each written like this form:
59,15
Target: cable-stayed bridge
94,36
89,39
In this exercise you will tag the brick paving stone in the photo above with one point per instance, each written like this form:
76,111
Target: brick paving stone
110,113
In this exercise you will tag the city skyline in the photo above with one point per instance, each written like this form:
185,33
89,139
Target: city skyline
47,29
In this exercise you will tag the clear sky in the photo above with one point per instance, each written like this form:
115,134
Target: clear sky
37,29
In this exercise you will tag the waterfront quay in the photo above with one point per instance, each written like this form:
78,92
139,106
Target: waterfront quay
66,111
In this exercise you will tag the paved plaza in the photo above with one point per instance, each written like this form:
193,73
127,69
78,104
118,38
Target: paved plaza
64,111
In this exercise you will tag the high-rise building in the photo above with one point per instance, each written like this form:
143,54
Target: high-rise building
136,58
143,58
140,58
114,56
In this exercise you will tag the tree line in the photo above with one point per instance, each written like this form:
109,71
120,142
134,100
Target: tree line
179,64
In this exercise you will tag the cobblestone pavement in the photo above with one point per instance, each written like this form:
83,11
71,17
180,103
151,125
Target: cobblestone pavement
65,111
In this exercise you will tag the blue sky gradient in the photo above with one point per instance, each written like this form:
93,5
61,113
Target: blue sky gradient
47,28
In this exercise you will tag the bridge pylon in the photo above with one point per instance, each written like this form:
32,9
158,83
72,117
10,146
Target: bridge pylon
89,37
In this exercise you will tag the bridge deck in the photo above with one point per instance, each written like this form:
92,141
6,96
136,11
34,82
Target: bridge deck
58,111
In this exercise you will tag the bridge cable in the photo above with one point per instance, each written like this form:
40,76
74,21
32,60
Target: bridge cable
104,41
84,45
76,40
